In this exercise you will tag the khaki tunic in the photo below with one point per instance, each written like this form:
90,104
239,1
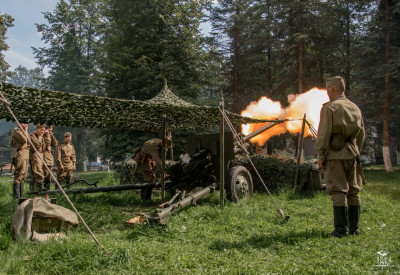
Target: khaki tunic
21,146
48,155
150,150
36,158
66,158
341,117
153,147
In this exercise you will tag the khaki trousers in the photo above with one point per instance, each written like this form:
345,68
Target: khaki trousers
21,166
64,174
341,182
47,174
37,168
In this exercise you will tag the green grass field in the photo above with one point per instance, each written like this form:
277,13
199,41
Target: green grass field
241,238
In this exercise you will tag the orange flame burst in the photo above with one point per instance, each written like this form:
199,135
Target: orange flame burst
309,103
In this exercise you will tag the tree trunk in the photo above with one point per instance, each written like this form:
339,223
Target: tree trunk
301,65
386,106
235,68
347,67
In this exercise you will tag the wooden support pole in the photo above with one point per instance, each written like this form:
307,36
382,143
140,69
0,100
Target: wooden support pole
164,133
300,152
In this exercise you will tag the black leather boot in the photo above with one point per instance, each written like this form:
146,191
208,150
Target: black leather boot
32,186
339,221
46,186
354,218
16,190
38,187
21,189
145,193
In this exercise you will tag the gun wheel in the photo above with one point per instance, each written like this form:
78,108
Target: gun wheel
239,184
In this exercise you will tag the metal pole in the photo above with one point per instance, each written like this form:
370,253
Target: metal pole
164,133
300,152
222,156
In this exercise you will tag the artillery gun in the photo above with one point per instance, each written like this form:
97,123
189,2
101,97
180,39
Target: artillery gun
199,167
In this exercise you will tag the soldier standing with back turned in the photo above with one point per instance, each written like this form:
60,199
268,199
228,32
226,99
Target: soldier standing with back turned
66,160
340,138
37,175
20,143
49,141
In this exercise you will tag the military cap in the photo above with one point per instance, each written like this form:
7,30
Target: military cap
334,81
67,134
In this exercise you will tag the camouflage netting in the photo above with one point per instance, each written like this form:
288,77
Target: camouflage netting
69,109
277,172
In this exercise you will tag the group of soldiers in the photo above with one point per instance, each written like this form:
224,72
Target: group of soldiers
41,160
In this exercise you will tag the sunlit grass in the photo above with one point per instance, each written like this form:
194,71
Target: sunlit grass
242,238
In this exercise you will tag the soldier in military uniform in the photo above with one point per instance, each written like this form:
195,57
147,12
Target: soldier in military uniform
146,158
21,145
37,175
66,159
49,141
340,138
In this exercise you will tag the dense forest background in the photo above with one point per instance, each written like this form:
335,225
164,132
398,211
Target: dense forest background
270,48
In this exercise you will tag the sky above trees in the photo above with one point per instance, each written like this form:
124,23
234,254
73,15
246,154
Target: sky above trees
24,34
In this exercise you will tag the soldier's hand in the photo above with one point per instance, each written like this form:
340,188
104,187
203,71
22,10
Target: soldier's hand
62,167
74,168
322,164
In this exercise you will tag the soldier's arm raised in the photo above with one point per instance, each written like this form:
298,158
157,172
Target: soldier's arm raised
54,141
19,136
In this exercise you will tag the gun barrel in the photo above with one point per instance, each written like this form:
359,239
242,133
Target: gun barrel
261,130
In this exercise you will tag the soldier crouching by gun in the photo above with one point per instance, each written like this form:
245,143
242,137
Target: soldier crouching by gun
147,157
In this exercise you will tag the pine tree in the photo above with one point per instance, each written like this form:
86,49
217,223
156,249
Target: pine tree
6,21
72,34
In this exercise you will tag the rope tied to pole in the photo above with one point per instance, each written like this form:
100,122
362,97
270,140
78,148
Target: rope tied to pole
243,147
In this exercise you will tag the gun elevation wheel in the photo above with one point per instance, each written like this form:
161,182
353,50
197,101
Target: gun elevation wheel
239,184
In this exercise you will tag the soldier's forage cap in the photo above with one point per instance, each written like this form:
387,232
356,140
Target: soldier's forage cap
334,81
67,134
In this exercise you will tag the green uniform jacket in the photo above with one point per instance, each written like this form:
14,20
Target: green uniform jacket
49,141
66,156
340,117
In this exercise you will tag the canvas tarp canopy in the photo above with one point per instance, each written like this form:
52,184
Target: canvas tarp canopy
76,110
